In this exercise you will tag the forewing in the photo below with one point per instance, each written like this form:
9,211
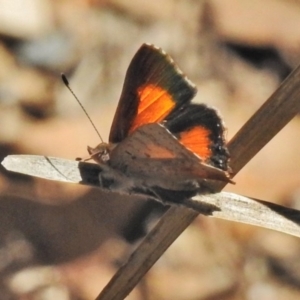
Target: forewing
153,152
153,88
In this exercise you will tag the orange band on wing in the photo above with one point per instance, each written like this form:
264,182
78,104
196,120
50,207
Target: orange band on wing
197,140
155,104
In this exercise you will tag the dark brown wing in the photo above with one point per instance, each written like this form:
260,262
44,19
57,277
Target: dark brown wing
153,154
200,129
153,88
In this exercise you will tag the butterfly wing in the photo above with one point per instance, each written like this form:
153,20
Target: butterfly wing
153,88
200,129
155,158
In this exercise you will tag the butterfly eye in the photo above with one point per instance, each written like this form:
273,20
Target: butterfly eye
104,156
100,153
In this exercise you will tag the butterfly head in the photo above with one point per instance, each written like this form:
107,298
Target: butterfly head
101,153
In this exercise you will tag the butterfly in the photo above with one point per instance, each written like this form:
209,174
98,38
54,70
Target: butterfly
160,143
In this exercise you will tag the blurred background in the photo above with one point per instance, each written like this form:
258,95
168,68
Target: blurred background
65,241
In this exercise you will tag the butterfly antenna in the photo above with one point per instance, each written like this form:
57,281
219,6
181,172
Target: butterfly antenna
66,82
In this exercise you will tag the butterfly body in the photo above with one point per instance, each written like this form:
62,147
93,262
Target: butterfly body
160,143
